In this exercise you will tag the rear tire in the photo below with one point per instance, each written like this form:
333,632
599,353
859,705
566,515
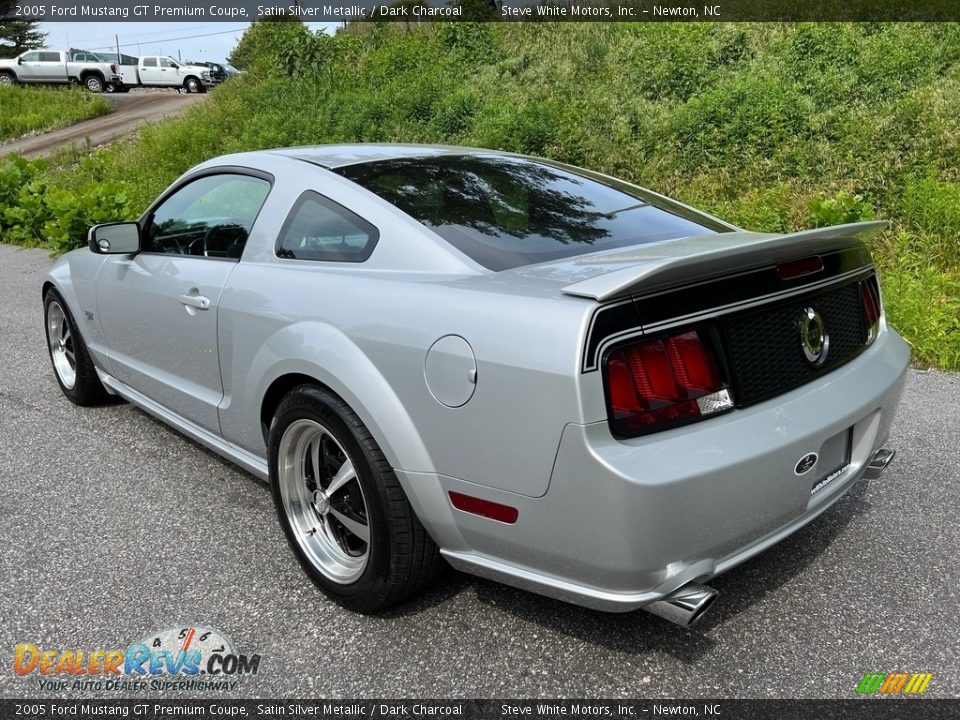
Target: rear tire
72,366
362,544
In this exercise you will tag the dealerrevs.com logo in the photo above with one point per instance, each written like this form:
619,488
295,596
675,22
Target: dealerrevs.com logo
187,658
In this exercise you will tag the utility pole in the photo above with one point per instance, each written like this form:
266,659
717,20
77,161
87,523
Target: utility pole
116,39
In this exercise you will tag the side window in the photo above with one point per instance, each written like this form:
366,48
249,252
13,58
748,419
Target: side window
149,62
319,229
51,57
165,63
209,217
31,57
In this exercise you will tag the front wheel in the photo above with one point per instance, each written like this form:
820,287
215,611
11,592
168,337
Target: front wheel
72,365
7,79
192,85
94,83
341,506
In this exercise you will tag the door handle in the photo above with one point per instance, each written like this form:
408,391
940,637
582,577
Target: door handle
200,302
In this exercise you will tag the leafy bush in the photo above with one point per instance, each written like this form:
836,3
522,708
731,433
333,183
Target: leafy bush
34,213
842,208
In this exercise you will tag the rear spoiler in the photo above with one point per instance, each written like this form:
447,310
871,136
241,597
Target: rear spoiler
659,266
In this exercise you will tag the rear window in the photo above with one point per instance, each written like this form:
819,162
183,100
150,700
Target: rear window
506,212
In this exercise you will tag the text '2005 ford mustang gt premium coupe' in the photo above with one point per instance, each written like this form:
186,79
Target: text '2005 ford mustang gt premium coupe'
542,375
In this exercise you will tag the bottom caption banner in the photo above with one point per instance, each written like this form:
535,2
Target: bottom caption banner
479,709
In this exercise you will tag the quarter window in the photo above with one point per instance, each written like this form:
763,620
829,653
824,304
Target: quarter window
319,229
209,217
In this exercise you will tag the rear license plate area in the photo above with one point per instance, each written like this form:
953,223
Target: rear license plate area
834,458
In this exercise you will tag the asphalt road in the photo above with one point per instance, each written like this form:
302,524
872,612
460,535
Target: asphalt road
114,526
132,110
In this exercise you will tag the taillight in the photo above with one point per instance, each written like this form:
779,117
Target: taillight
113,69
655,384
870,298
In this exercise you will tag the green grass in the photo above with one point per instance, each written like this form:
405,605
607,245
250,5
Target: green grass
774,127
36,109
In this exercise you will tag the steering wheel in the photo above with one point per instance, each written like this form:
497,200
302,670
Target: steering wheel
226,235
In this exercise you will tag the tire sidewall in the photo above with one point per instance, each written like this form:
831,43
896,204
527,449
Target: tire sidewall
51,297
193,86
313,403
93,83
7,80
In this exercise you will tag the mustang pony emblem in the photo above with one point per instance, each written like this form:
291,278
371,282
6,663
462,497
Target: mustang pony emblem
813,337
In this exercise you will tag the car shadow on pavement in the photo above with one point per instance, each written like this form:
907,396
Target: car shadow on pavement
637,633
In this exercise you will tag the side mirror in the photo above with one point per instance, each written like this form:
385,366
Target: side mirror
121,238
19,61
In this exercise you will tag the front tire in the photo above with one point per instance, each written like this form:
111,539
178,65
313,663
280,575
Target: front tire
72,366
94,83
8,79
341,506
192,85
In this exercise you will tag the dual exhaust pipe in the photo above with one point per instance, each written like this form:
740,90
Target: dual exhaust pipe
688,604
684,606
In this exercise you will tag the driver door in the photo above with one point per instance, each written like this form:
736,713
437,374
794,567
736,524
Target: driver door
29,69
158,308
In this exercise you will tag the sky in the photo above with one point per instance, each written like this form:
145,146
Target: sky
211,41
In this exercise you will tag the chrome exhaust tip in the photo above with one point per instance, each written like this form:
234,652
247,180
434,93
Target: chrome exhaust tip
879,462
685,606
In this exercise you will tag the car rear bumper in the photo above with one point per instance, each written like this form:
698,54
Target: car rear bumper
626,522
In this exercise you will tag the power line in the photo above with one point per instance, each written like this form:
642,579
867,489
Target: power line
104,38
165,40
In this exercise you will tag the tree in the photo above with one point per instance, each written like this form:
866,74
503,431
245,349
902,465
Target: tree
265,40
17,35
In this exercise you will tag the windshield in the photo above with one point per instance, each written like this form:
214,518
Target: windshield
505,212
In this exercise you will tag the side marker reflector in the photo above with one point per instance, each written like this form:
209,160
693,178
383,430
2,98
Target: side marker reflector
484,508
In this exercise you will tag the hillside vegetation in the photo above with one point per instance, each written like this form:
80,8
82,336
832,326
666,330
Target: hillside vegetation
774,127
35,109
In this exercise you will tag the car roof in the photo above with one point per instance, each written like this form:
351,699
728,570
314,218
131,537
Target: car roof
335,156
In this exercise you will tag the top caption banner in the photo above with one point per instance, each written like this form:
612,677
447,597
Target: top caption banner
412,11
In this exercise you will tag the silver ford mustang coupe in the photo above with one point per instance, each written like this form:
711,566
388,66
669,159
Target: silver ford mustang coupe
543,375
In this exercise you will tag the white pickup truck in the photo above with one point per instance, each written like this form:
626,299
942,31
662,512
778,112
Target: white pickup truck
162,71
56,66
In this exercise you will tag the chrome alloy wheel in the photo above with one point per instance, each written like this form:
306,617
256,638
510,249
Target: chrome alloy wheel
323,501
61,344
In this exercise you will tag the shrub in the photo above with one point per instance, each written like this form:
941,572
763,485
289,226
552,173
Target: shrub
34,213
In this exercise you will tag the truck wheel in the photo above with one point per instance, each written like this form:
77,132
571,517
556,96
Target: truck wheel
8,78
192,85
111,88
94,83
